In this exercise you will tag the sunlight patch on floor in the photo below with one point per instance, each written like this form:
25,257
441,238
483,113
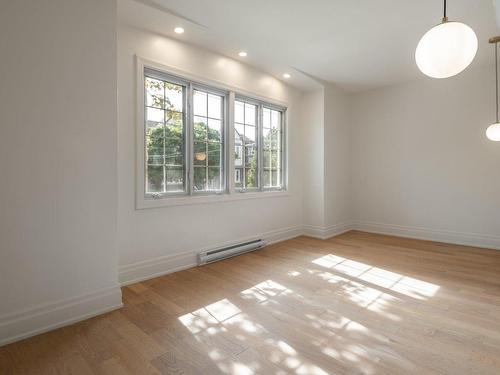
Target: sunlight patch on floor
406,285
227,324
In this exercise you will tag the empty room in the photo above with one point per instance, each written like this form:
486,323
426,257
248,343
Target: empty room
249,187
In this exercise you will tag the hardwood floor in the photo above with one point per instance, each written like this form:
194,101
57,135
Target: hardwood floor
356,304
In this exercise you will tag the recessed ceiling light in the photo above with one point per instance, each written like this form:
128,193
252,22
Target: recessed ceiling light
179,30
286,75
243,54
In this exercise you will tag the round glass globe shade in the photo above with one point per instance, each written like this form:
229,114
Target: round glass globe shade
446,50
493,132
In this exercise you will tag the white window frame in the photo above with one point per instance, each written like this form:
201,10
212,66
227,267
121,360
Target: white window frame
230,193
260,104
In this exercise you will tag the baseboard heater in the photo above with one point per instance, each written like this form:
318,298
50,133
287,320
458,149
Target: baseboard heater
229,251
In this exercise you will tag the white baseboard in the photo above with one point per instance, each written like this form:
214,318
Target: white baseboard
458,238
46,317
148,269
324,233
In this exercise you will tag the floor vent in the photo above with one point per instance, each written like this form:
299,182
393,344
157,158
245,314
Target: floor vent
229,251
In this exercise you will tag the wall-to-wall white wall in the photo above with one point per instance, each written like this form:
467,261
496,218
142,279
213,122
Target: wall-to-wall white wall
153,241
421,164
58,129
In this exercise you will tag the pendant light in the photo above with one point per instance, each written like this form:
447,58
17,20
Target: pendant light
446,49
493,131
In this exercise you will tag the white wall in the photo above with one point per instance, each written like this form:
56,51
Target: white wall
313,165
422,165
326,131
158,240
337,157
58,258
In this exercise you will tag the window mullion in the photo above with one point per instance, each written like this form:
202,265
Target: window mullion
244,153
164,139
260,143
190,140
230,143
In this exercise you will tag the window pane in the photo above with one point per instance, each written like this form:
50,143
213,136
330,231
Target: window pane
155,145
274,159
266,159
200,178
174,97
250,114
214,130
154,119
237,178
240,131
154,93
200,128
175,179
266,118
215,107
155,160
251,178
249,134
238,152
174,121
266,178
214,154
174,160
275,119
155,179
275,139
200,103
214,178
239,112
200,153
250,155
274,178
173,147
266,139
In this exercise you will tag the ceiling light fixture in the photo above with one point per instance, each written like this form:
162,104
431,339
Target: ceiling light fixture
286,75
493,131
242,54
446,49
179,30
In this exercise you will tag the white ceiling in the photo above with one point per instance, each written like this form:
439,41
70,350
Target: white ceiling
356,44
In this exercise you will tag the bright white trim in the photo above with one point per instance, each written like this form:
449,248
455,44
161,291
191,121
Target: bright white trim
46,317
324,233
440,235
206,199
140,271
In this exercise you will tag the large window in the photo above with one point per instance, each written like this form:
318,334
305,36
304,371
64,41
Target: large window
165,136
258,146
184,149
184,140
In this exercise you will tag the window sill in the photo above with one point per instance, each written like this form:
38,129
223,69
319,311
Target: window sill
145,203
